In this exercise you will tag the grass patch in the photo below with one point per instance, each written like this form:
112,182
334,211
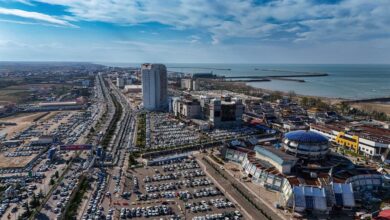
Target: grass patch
112,126
141,130
74,203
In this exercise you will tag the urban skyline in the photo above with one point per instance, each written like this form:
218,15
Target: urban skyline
194,109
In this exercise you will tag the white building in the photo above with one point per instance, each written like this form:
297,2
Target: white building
120,82
186,108
370,140
154,86
187,84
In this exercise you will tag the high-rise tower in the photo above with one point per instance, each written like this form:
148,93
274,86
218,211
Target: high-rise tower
154,86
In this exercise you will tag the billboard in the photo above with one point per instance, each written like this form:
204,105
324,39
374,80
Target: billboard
76,147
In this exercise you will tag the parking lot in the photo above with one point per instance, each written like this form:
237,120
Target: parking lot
176,189
167,131
35,171
65,127
220,134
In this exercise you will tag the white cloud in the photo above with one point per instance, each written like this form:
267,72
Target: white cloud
243,18
35,16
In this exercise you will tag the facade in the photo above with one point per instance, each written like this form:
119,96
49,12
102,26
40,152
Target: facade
350,142
222,113
306,145
133,88
42,140
366,139
154,86
280,160
55,106
120,82
185,108
187,84
195,85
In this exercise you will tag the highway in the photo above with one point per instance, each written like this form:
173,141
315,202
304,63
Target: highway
117,151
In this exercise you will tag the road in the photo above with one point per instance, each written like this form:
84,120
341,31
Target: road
119,148
227,185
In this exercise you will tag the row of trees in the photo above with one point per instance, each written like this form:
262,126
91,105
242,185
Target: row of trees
141,130
112,126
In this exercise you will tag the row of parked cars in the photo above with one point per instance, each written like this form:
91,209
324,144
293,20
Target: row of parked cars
160,177
149,211
232,132
94,210
190,182
233,215
185,165
206,192
168,131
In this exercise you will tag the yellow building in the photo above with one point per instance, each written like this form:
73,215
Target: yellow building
351,142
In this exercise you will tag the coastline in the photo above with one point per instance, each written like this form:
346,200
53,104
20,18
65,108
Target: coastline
368,106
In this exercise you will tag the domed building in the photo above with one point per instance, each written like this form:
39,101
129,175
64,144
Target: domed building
307,145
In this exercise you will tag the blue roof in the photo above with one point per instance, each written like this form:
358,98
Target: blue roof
303,136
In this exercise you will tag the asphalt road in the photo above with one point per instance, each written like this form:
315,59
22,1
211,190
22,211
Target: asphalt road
227,185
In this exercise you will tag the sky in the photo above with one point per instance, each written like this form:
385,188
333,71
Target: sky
196,31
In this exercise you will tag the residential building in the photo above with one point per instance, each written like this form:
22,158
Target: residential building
154,86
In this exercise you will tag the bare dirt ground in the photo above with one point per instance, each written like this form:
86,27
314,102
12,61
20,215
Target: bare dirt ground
6,162
373,106
22,120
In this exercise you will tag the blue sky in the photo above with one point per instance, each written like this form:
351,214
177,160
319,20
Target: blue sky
196,31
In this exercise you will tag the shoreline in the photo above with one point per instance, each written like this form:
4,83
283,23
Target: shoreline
382,100
369,106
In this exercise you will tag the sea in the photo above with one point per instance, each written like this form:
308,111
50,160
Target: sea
347,81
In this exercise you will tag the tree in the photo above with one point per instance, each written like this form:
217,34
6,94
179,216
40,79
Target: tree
291,94
305,101
52,182
344,107
56,174
34,202
40,194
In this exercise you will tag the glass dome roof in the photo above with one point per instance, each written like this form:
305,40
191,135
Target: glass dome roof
302,136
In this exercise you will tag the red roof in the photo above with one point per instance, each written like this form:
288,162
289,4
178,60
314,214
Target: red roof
384,215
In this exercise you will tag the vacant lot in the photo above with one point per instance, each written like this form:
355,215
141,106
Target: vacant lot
6,162
21,93
22,122
13,95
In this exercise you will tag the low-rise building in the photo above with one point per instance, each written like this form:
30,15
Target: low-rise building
367,139
133,88
186,108
187,84
223,113
42,140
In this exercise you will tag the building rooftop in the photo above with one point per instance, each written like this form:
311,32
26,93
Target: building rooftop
303,136
275,154
380,135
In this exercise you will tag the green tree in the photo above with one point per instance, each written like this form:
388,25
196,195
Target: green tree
34,202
